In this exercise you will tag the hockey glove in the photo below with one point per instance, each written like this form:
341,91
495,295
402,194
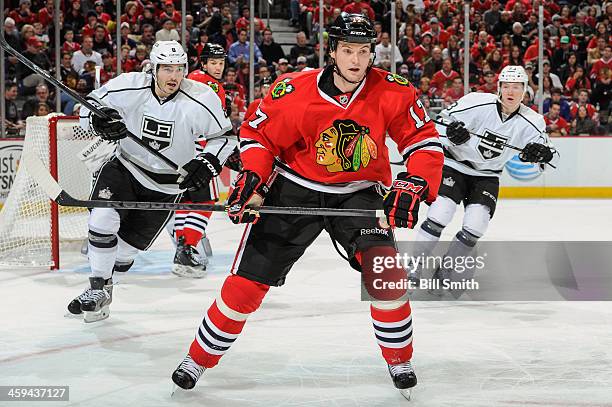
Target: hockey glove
457,133
246,198
536,153
110,130
401,204
200,171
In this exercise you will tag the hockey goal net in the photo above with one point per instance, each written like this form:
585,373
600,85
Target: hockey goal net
32,228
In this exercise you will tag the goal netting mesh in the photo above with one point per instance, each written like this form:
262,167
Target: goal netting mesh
27,232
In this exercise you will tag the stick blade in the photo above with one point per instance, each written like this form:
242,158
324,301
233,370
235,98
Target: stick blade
37,170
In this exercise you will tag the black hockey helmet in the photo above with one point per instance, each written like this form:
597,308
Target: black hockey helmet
212,51
354,28
266,82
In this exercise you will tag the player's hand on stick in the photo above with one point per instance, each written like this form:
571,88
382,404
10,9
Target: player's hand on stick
536,153
246,198
110,130
457,133
401,204
200,171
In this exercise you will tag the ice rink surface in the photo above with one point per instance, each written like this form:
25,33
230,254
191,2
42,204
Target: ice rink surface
312,342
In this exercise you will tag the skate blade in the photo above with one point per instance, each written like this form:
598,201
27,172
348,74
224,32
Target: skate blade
173,390
70,315
207,248
187,271
95,316
406,393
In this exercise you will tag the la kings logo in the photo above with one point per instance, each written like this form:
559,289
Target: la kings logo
491,145
157,133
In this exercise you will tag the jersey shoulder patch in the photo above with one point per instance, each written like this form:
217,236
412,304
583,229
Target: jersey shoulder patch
282,88
397,79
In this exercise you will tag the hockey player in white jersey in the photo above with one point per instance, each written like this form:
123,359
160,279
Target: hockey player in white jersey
172,115
473,165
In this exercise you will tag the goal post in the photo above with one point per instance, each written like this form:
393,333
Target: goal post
32,227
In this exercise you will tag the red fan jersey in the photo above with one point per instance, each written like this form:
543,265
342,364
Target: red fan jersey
203,77
336,143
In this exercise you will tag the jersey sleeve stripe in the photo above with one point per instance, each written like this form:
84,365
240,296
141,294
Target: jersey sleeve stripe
430,144
534,126
471,107
204,106
220,134
247,144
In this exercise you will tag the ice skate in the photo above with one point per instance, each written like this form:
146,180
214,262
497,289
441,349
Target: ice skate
206,245
75,305
188,262
403,377
95,300
187,373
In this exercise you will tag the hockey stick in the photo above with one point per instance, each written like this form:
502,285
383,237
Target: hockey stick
36,169
500,143
84,102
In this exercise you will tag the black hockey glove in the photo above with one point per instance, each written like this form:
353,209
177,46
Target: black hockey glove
401,204
200,171
536,153
110,130
233,161
246,198
457,133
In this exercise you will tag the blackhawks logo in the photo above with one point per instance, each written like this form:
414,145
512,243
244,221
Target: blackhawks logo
400,80
345,146
213,85
282,88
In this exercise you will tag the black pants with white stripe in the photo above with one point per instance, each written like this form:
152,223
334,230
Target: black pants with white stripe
271,246
138,228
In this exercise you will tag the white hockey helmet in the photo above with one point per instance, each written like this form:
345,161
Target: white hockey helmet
170,53
512,73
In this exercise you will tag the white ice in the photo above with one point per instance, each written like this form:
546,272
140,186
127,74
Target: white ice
311,343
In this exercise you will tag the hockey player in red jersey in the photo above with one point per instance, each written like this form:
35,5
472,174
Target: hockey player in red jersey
265,84
318,139
190,259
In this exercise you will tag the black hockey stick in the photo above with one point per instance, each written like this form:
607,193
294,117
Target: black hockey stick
499,143
37,170
94,109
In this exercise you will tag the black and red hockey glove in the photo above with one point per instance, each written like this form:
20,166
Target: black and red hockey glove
246,197
401,204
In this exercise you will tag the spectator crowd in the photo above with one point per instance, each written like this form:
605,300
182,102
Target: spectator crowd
577,65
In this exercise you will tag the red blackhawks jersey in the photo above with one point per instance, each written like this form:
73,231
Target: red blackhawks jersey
336,143
214,84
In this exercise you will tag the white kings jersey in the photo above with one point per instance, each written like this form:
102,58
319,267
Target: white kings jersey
174,126
481,113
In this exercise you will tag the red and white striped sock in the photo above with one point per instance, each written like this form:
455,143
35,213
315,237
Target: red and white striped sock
225,319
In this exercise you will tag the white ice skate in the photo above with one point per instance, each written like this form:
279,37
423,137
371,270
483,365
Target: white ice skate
96,300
